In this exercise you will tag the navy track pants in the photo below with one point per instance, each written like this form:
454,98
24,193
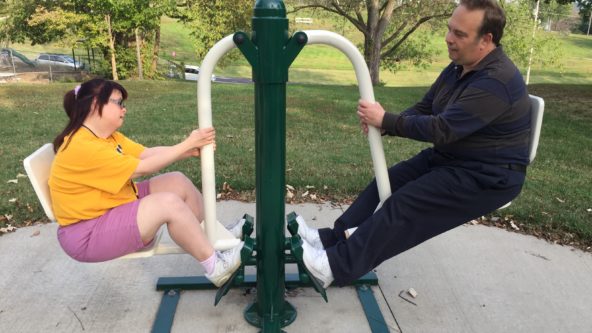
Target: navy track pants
431,195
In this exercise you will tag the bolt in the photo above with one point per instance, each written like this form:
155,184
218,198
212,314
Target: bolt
239,39
301,38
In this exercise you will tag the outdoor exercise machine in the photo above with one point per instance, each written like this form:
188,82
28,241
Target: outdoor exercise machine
270,51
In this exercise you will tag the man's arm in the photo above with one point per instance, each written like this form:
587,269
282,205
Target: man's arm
478,105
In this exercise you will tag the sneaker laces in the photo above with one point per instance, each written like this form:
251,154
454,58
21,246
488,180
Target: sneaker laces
226,257
310,235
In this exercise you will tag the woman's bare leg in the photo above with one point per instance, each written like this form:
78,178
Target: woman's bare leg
179,184
159,208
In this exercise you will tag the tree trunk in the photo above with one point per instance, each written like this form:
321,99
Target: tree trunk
374,67
372,57
372,41
112,49
139,55
156,51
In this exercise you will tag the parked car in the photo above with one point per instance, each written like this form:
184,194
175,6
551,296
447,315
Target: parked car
58,60
192,73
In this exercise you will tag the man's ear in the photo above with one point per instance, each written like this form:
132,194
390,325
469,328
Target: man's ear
487,38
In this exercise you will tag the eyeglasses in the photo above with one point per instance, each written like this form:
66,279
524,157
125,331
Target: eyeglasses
119,102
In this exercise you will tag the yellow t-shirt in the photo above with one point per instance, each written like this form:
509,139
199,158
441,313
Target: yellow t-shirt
92,175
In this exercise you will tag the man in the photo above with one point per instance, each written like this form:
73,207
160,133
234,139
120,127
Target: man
477,115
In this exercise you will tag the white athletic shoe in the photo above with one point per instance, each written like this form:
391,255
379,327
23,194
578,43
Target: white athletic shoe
236,229
317,263
310,235
226,263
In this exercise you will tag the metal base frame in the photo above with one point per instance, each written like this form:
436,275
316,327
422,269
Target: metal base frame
172,287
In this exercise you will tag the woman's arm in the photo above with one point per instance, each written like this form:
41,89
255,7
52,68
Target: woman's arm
156,158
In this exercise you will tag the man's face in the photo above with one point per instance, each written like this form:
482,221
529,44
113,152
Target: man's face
464,47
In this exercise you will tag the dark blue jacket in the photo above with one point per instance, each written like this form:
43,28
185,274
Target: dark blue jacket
482,116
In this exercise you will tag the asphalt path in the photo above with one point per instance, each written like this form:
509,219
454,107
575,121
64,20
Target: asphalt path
220,79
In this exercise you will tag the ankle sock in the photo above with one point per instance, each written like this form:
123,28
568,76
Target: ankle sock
209,264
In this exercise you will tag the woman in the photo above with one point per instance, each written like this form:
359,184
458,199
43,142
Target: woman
103,214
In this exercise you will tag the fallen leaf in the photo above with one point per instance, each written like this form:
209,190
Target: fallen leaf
289,195
514,226
13,200
308,187
14,181
402,295
290,187
313,196
560,200
36,233
219,195
325,187
20,175
589,210
9,228
304,194
8,217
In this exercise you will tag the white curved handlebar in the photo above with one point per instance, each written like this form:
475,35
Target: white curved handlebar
220,238
366,93
217,234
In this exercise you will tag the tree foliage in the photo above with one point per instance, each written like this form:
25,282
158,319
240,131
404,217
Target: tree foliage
211,21
387,26
75,22
518,39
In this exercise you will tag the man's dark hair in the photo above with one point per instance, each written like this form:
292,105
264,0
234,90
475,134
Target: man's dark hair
494,18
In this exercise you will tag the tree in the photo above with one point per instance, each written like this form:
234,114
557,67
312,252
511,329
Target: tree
109,25
386,25
552,11
211,21
585,7
520,44
586,15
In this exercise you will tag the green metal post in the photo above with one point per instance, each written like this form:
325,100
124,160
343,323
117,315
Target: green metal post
270,59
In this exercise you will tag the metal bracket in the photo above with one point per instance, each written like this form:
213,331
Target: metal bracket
238,277
296,250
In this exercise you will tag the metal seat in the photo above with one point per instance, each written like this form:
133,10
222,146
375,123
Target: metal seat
537,107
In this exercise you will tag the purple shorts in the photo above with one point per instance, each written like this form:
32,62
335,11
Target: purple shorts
112,235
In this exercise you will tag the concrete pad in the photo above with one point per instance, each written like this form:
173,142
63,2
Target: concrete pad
483,279
43,290
471,279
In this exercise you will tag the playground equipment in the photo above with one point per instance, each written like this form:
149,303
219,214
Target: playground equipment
9,54
270,52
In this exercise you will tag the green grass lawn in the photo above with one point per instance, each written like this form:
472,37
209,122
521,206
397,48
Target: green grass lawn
330,155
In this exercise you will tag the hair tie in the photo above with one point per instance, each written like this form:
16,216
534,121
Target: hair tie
76,91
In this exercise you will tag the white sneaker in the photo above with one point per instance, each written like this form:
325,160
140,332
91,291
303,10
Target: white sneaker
226,263
310,235
236,229
317,263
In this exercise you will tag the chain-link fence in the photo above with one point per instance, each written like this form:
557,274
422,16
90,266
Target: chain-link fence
18,65
33,66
